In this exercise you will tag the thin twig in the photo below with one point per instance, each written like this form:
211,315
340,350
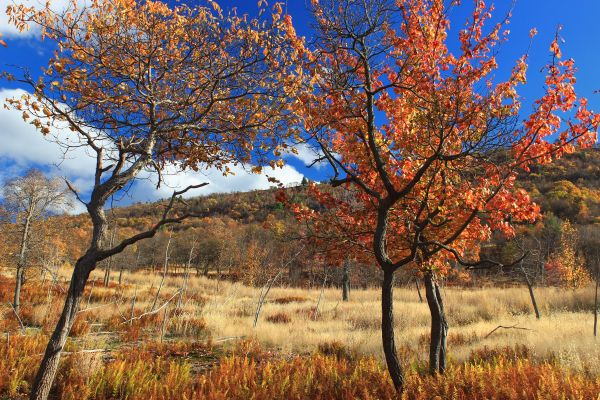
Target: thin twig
95,307
151,312
515,326
17,315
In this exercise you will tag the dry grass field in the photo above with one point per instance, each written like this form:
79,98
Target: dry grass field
203,344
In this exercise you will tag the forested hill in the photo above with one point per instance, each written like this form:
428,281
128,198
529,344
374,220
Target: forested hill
569,188
246,233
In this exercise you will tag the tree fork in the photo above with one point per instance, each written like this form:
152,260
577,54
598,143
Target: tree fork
439,325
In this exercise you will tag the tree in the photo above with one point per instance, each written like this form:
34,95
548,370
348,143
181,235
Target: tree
346,280
590,246
145,88
428,140
30,198
567,266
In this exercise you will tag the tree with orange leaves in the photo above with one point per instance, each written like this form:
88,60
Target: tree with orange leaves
427,140
567,268
145,86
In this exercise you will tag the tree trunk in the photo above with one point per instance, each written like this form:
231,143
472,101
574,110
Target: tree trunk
109,261
49,365
346,282
18,283
533,301
531,294
439,325
21,261
120,274
596,304
387,330
444,331
186,273
419,290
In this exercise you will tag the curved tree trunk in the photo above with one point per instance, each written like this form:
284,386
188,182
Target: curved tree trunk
49,365
346,282
418,290
443,331
531,293
18,284
596,303
21,262
387,330
439,325
533,301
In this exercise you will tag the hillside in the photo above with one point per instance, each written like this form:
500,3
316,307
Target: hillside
247,235
569,187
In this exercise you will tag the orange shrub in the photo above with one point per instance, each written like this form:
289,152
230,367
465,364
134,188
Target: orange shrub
279,318
289,299
166,371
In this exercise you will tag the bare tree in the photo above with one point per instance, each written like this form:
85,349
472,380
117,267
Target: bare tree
590,245
30,198
346,280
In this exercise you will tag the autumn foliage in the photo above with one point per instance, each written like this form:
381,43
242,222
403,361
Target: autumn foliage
425,143
426,134
211,87
566,267
153,372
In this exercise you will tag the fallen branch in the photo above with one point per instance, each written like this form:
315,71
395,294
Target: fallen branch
87,351
151,312
263,296
79,352
515,326
17,315
225,339
95,307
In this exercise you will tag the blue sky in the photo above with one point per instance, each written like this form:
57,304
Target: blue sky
21,147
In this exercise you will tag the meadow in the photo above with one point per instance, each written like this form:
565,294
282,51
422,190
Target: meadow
198,340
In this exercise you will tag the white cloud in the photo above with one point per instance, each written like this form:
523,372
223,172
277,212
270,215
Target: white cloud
241,181
22,146
308,154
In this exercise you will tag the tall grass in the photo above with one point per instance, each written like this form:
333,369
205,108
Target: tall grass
294,352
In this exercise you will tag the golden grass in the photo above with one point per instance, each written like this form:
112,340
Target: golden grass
223,309
223,312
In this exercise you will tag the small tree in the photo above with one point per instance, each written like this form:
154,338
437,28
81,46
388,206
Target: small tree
145,87
567,267
428,139
31,198
590,245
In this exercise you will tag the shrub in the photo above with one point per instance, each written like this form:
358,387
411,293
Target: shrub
289,299
279,318
336,349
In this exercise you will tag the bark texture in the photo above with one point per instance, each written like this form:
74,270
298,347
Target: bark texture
387,331
346,282
49,366
596,304
439,325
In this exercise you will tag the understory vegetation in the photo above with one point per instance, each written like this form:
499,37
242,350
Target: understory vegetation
205,347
